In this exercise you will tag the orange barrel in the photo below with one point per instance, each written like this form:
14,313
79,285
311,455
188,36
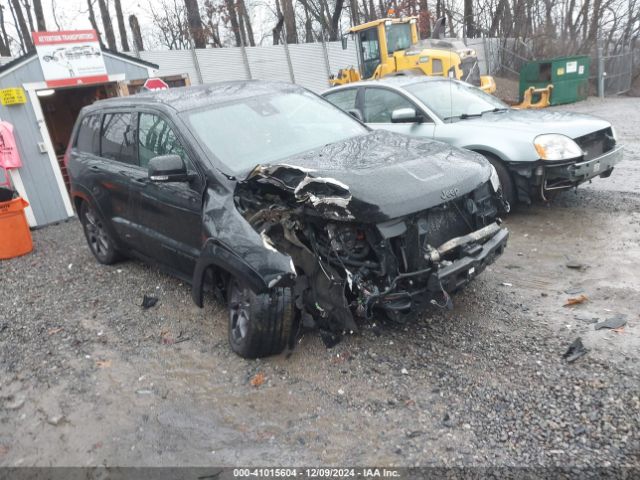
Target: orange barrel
15,236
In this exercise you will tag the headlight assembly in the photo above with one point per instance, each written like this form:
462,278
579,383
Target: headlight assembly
553,146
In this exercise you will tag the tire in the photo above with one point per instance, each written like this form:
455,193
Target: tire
259,325
506,182
100,241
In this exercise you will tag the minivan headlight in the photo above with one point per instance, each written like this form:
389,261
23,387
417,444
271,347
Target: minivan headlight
553,146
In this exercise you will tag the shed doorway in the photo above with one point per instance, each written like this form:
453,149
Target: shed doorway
60,109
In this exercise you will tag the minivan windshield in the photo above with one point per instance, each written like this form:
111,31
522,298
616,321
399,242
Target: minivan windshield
450,99
266,128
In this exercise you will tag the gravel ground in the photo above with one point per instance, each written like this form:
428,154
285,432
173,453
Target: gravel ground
87,377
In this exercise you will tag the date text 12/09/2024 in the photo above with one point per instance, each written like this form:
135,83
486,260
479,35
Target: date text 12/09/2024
316,472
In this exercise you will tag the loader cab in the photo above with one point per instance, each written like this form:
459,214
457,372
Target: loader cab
377,42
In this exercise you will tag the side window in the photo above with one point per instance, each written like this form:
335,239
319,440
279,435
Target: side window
379,103
436,66
344,99
88,139
118,138
155,137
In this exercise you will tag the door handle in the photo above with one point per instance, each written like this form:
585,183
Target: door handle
95,168
140,181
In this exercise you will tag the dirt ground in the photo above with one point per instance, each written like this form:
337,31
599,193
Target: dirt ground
87,377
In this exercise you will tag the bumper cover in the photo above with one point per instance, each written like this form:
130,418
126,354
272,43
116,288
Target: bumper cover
583,171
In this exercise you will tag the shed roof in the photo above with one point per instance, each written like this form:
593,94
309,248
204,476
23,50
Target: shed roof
29,55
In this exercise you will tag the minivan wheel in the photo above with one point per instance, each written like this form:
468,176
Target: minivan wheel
100,242
259,325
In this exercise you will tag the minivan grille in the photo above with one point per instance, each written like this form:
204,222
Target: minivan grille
596,143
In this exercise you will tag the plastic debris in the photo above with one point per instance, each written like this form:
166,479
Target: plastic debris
257,380
575,351
149,301
576,300
614,323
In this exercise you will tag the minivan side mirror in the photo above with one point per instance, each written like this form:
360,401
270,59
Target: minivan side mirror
344,41
405,115
167,168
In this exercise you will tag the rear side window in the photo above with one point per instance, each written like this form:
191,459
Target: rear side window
344,99
88,139
118,138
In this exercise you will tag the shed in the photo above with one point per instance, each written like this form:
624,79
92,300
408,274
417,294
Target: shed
43,124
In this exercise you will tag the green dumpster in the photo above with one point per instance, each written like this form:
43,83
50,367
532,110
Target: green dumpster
569,76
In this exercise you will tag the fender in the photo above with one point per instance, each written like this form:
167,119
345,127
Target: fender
216,254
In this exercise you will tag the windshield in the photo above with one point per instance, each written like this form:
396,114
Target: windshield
452,99
267,128
398,37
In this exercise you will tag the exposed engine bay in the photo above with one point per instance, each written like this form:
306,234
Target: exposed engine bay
348,265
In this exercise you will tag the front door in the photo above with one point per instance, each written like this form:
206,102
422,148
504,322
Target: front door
369,51
378,106
168,215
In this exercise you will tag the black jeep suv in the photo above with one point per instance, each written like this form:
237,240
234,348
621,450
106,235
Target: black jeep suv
294,211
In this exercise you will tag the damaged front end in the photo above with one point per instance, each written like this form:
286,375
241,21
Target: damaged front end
349,264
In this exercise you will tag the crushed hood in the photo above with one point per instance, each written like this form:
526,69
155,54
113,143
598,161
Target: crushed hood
376,177
536,122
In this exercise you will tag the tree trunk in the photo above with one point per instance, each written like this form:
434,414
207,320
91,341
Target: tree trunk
108,26
233,18
469,24
308,27
355,13
22,25
121,27
289,21
195,24
424,20
40,23
94,23
27,8
242,11
334,32
5,51
135,32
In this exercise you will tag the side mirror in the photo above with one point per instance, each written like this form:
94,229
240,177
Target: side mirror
355,113
405,115
344,42
167,168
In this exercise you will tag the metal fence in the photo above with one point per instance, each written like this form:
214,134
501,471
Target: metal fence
618,72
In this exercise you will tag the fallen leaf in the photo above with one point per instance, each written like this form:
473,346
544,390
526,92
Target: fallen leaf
258,379
576,300
103,363
618,330
53,331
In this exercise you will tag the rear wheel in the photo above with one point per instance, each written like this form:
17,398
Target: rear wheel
259,325
506,181
100,242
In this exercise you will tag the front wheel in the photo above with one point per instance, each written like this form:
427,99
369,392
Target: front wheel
259,325
506,181
100,242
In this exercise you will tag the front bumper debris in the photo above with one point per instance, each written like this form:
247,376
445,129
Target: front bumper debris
581,172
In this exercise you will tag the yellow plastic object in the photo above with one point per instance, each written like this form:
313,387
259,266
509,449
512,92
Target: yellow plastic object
487,83
543,101
14,229
345,75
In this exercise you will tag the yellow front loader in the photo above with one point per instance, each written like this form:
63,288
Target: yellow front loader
391,46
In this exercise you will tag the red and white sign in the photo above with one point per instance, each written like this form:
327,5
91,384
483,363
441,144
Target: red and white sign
155,84
70,58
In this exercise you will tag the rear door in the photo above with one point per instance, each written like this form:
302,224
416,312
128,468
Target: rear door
168,216
378,105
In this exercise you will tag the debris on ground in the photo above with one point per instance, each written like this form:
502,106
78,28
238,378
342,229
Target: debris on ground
103,363
574,290
149,301
507,284
575,265
55,420
576,300
614,323
257,380
575,351
53,331
167,339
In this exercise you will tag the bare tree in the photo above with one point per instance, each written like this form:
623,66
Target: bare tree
108,26
40,23
194,20
291,35
23,29
5,45
122,30
138,44
170,21
94,23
